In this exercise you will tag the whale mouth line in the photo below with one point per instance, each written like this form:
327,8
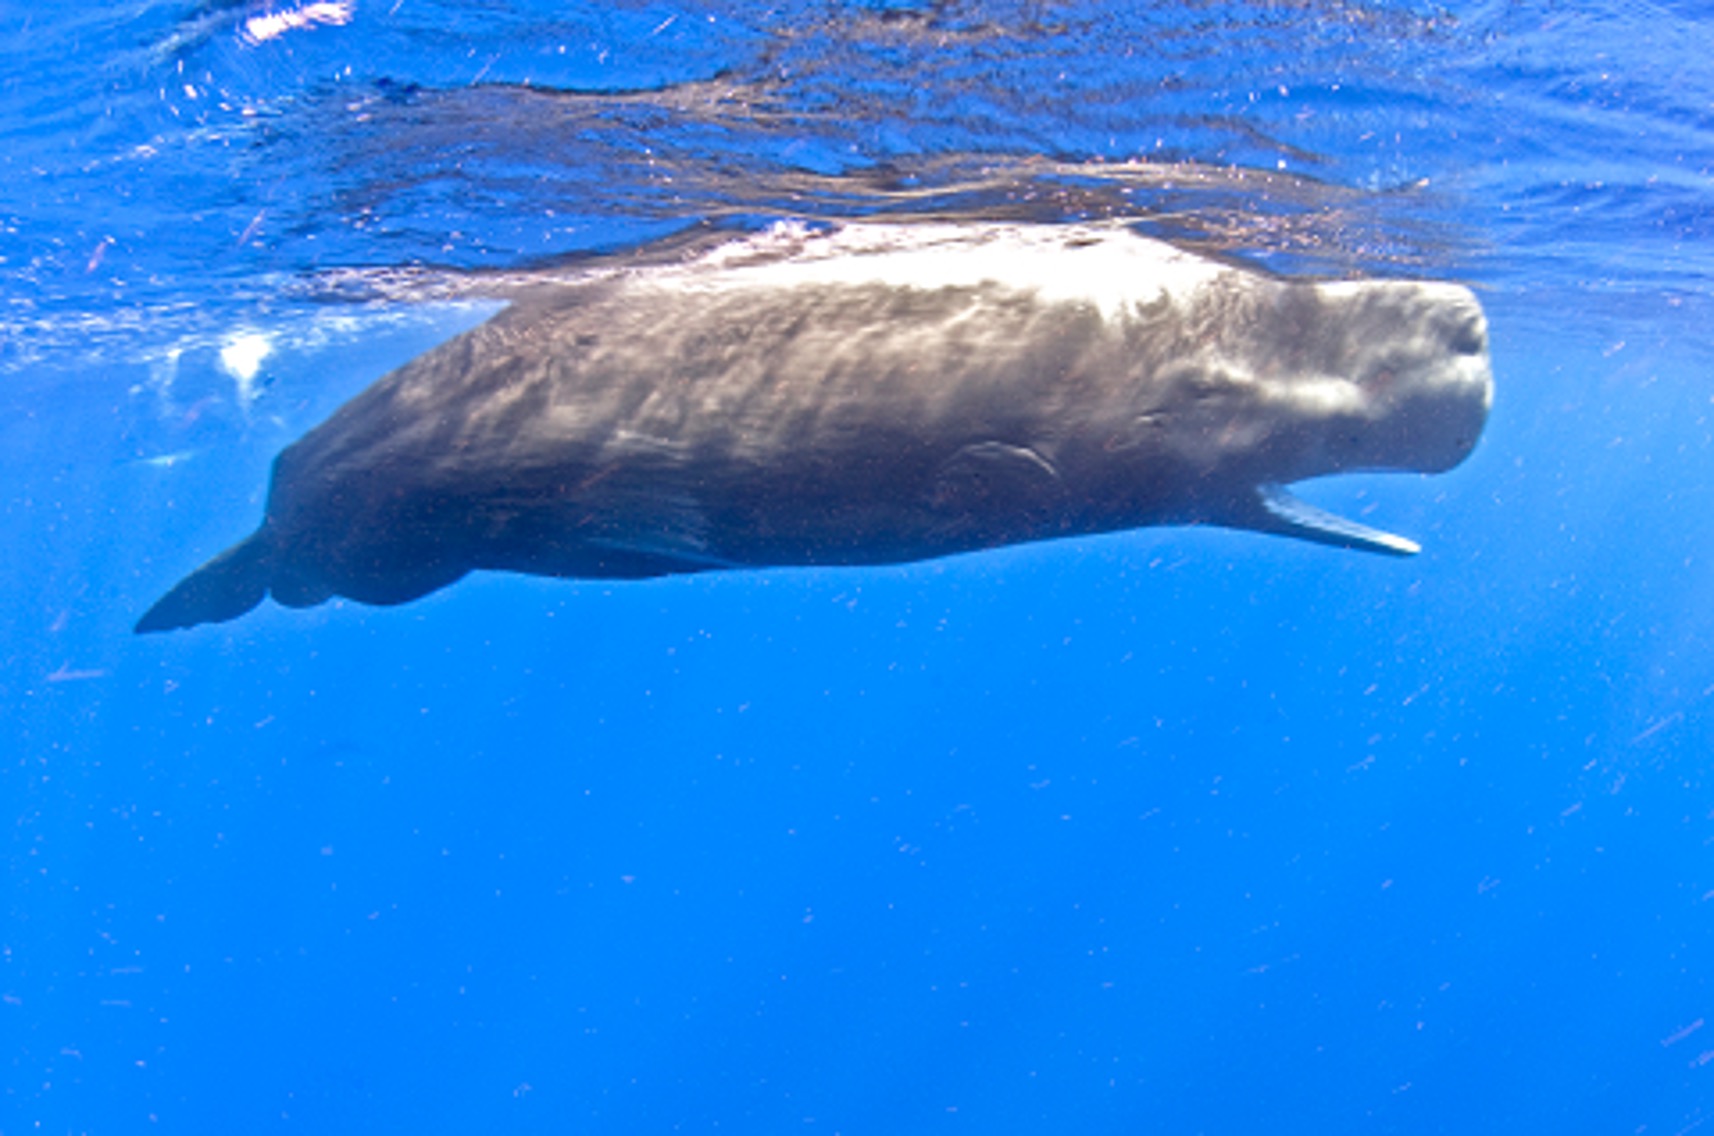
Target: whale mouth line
1287,514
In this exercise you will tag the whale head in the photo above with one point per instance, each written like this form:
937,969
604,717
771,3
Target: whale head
1270,384
1410,378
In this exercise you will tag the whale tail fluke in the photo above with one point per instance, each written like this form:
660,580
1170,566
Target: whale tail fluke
224,588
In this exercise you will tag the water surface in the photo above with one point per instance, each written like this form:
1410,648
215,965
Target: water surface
1172,831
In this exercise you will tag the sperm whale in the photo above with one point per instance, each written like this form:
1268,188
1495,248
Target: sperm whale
869,393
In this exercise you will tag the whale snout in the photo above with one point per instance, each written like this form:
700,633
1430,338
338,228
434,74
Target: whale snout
1465,328
1442,415
1466,325
1468,373
1421,379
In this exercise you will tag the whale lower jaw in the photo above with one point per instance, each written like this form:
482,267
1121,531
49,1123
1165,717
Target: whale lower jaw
1276,509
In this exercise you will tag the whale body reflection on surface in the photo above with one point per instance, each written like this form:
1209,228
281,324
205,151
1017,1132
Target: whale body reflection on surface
876,393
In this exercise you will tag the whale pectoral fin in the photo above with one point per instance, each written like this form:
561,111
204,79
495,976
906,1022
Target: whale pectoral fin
994,492
988,471
1274,509
224,588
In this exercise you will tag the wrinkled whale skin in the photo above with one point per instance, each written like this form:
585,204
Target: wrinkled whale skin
871,394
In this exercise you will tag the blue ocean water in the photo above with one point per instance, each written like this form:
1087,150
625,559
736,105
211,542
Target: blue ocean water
1176,831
